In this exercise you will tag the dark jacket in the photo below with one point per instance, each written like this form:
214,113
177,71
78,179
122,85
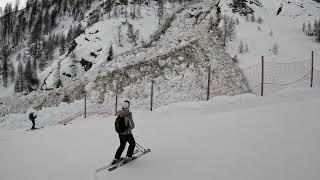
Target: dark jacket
32,117
128,120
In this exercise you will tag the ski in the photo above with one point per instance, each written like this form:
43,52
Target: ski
34,129
134,157
110,165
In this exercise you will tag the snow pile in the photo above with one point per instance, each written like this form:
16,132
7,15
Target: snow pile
188,141
177,63
22,3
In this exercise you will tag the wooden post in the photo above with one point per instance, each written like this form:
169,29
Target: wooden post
262,74
116,108
85,104
151,103
311,83
208,88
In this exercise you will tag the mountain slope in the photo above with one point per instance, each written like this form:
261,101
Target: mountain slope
177,58
283,29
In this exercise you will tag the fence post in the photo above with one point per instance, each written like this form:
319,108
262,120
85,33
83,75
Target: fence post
117,86
151,103
208,89
85,104
262,74
311,83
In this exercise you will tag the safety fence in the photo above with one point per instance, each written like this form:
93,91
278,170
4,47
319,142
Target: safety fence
268,77
263,78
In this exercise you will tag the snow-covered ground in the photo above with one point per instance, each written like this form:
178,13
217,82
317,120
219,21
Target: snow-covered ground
286,30
22,3
226,138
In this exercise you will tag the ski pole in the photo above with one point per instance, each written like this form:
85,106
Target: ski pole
140,146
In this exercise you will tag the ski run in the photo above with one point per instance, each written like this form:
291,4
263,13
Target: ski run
226,138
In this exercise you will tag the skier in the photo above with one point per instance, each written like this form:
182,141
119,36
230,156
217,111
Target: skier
126,136
32,117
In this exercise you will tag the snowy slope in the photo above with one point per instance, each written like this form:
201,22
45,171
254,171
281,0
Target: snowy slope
176,57
293,44
278,140
22,3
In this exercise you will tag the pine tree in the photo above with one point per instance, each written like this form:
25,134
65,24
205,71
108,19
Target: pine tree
11,72
47,23
119,33
70,35
18,87
246,49
275,48
318,38
160,11
271,33
53,18
132,35
225,29
33,14
110,54
231,28
5,57
7,24
57,79
62,45
73,65
210,23
27,73
309,29
253,18
108,7
241,47
16,5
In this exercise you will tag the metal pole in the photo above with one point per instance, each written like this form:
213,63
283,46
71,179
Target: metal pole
85,104
208,90
311,83
262,74
116,99
140,146
151,103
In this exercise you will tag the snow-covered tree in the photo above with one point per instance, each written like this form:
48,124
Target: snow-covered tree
19,82
73,65
110,54
259,20
275,49
253,18
271,33
57,79
210,23
133,35
119,35
27,73
241,47
160,11
5,58
246,49
62,45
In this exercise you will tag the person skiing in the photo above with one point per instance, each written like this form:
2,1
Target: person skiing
32,117
127,135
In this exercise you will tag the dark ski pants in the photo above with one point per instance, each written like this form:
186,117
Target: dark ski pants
123,140
33,124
